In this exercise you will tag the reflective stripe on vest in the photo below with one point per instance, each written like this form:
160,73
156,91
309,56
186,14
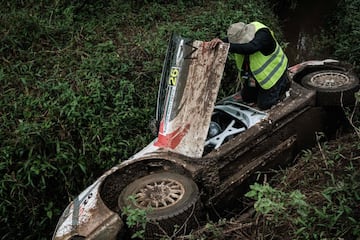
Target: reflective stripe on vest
267,70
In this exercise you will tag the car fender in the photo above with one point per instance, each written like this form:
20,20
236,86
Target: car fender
83,215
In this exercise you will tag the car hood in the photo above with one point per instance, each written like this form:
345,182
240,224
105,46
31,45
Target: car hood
192,84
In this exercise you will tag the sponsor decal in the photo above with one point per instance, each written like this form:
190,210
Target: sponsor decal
172,139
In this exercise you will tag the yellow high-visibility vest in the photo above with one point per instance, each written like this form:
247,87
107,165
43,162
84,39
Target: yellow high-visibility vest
267,70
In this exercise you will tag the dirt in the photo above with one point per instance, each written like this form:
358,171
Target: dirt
310,174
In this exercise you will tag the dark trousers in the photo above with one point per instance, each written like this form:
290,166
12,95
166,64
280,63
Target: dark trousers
265,99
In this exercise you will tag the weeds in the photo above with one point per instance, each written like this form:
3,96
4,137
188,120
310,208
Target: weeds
136,219
275,204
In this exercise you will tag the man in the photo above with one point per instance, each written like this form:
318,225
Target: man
260,60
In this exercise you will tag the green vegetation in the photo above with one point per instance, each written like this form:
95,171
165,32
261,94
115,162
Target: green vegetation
135,219
346,33
78,89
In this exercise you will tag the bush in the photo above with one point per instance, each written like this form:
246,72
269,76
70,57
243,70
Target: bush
347,31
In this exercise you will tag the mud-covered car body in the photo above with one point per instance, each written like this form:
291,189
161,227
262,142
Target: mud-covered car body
204,152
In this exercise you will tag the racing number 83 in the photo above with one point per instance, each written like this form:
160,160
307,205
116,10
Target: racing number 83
174,74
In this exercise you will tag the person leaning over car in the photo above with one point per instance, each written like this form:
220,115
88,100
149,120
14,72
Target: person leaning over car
261,62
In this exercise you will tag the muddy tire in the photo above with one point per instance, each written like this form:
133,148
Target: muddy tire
171,199
334,87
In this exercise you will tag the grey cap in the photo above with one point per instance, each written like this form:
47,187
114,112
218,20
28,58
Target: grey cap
241,32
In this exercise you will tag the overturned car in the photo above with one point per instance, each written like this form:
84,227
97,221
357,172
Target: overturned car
206,150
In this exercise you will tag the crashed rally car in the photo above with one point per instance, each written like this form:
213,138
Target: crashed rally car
206,150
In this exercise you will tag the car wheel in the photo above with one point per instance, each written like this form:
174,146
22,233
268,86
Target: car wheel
334,87
170,199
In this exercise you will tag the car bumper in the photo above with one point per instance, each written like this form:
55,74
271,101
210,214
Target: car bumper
88,217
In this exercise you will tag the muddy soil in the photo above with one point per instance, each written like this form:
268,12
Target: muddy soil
310,176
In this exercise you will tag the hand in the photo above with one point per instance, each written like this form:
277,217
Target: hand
212,44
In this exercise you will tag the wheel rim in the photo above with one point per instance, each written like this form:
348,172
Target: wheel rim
329,80
159,194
